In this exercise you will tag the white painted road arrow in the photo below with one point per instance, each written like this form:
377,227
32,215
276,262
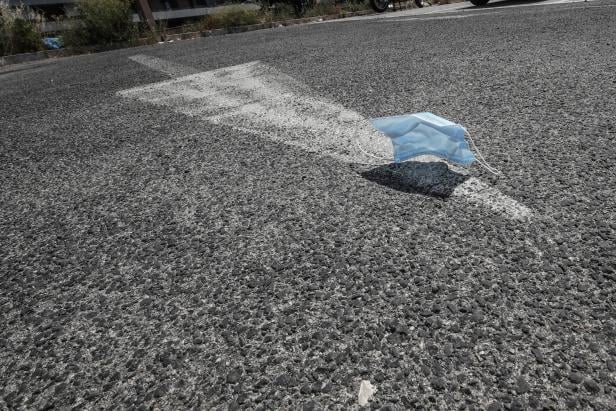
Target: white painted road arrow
258,99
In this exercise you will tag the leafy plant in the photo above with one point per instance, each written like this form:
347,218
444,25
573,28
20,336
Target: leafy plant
20,29
323,9
280,12
101,22
354,6
232,16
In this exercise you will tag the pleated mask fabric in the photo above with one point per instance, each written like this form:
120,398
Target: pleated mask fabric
418,134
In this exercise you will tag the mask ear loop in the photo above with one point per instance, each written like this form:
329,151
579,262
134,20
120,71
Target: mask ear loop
388,160
480,158
381,159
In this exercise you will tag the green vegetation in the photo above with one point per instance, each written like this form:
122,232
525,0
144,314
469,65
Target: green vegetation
105,22
323,9
354,6
232,16
19,30
278,12
101,22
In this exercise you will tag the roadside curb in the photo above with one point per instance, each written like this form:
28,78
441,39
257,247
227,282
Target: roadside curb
27,57
67,52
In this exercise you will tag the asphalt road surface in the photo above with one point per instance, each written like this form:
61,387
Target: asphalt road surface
212,223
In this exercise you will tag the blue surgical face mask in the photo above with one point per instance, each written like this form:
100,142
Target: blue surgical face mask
417,134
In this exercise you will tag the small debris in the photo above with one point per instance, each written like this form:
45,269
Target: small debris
311,406
538,355
438,383
522,386
576,377
234,376
366,391
591,386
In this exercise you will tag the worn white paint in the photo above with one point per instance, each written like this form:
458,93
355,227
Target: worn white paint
258,99
412,19
164,66
478,192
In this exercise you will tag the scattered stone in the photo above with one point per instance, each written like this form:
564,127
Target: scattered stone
477,316
282,380
305,389
438,383
538,355
316,387
495,406
160,391
591,386
576,377
448,349
522,385
234,376
311,406
516,405
366,391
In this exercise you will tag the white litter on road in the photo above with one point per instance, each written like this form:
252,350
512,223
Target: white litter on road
258,99
366,391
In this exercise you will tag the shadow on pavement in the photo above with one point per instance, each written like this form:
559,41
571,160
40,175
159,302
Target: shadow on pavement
429,178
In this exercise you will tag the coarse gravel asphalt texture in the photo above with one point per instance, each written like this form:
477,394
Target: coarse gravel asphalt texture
151,260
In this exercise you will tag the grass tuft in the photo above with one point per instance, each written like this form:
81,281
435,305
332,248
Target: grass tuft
232,16
101,22
20,29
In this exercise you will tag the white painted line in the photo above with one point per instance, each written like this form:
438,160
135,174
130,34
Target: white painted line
453,16
562,2
164,66
471,189
479,193
409,19
258,99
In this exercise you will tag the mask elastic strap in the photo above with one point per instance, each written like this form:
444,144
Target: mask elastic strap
388,160
480,158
